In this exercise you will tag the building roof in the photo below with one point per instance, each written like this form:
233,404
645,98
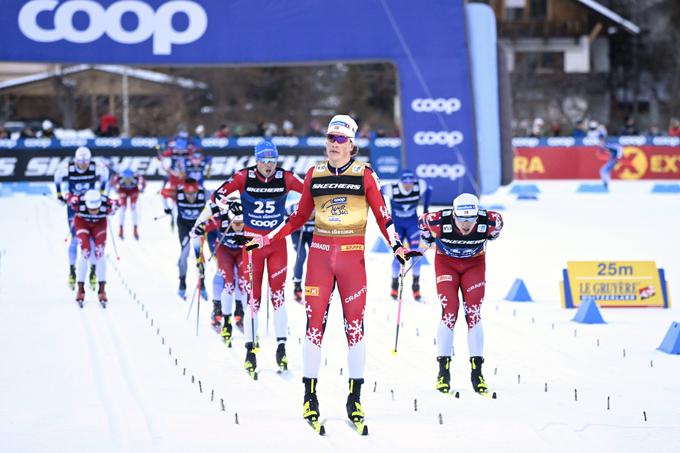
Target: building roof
134,73
611,15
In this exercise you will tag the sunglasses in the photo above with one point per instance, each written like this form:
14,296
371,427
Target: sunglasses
337,138
466,219
267,160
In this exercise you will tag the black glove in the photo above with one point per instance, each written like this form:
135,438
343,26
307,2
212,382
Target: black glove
201,269
427,237
61,198
236,208
402,254
198,231
167,211
241,239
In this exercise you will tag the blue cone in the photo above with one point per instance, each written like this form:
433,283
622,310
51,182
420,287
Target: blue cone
519,292
381,247
671,342
592,188
588,312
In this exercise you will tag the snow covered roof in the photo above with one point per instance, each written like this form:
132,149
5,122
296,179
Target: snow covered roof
141,74
611,15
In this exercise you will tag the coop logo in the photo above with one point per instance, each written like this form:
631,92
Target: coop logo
445,138
441,105
100,20
448,171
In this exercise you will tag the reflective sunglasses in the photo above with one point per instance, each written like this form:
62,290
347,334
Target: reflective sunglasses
267,160
337,138
466,219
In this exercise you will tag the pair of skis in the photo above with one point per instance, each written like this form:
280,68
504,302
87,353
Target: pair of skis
456,394
358,425
81,303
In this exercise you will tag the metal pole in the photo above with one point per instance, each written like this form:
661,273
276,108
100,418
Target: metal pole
126,103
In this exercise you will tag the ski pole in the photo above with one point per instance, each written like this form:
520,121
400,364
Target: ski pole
113,240
251,298
401,290
161,216
201,272
266,294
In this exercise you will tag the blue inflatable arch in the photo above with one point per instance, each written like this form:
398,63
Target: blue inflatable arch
426,40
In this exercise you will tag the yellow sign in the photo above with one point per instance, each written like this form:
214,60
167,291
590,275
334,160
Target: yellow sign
614,284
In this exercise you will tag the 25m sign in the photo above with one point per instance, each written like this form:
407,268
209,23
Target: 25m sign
614,284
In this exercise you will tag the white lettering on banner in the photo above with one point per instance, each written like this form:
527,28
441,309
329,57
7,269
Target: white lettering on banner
285,141
37,142
561,141
448,138
450,171
387,142
632,140
447,106
7,143
525,142
73,142
144,142
108,142
43,166
150,23
666,141
7,166
591,141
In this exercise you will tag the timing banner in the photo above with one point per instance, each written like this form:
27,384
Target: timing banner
584,162
614,284
425,40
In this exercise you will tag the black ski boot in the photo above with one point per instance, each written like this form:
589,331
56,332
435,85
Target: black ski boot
216,316
354,410
395,288
250,363
478,383
416,288
72,277
281,358
310,405
297,291
226,330
80,294
93,277
238,315
182,291
102,294
444,376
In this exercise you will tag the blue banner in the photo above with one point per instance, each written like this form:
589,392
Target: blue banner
425,40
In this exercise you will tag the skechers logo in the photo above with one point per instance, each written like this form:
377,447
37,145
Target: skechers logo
336,186
101,20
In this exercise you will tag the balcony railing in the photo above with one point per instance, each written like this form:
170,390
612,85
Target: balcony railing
542,29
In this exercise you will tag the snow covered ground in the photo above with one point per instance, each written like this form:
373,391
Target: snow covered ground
120,379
